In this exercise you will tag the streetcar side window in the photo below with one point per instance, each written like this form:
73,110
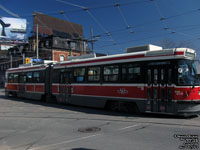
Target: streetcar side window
170,76
79,74
36,77
29,77
56,74
131,73
10,78
94,74
22,78
111,73
42,76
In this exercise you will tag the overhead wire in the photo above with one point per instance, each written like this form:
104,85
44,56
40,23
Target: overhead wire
73,28
162,19
105,32
93,17
122,14
160,14
128,3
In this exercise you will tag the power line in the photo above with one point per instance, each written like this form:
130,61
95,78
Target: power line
8,11
93,17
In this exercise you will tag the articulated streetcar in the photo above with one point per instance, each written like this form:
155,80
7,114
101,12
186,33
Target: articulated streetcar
143,80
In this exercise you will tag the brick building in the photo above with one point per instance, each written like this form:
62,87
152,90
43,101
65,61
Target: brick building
57,39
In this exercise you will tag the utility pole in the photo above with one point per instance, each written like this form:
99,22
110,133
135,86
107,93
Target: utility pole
92,42
37,51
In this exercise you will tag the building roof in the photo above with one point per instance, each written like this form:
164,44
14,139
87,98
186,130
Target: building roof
53,26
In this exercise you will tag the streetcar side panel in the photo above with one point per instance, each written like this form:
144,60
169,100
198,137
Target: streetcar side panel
26,83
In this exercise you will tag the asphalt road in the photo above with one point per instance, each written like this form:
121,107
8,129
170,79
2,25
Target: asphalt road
31,125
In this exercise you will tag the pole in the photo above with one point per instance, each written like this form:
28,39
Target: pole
10,60
37,43
23,57
92,44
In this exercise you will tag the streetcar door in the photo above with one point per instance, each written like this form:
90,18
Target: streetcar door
65,87
153,89
169,89
22,86
160,89
166,90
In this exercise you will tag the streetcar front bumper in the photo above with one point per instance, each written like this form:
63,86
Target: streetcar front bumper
188,108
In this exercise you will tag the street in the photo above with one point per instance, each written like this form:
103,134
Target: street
33,125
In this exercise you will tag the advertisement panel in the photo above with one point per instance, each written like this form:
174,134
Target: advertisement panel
12,28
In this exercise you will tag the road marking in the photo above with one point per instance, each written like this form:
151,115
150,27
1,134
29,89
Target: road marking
128,127
83,138
64,142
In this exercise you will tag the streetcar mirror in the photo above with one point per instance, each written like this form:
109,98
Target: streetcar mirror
180,70
183,69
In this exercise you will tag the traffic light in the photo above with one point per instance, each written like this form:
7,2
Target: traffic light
27,61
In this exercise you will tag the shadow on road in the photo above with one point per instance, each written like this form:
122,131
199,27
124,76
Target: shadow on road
90,110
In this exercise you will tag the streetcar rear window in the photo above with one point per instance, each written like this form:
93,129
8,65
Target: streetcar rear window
36,77
16,78
29,77
10,78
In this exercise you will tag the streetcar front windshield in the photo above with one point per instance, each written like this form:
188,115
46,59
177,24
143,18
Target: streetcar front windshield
188,72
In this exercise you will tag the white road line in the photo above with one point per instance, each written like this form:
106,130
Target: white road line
64,142
83,138
128,127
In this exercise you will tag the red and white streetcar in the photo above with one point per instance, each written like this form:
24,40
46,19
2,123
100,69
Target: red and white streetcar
145,79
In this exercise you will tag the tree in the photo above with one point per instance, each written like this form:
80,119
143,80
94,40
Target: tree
168,43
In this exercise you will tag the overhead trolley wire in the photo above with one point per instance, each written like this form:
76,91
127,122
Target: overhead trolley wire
93,17
73,28
123,17
162,19
118,5
124,4
160,14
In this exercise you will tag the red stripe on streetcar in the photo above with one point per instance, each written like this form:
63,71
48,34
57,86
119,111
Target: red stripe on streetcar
106,59
179,53
119,58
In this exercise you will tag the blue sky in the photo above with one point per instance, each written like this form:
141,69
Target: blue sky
119,23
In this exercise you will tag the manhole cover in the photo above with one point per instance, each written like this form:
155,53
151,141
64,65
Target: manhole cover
89,129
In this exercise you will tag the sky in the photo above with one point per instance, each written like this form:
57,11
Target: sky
119,24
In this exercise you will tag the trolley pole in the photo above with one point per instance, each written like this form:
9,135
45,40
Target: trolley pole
92,42
37,51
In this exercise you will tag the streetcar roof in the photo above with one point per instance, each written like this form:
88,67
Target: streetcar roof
163,54
27,68
174,53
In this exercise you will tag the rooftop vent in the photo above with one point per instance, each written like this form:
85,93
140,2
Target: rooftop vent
143,48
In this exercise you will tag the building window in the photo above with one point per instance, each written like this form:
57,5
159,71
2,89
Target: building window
62,58
73,45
